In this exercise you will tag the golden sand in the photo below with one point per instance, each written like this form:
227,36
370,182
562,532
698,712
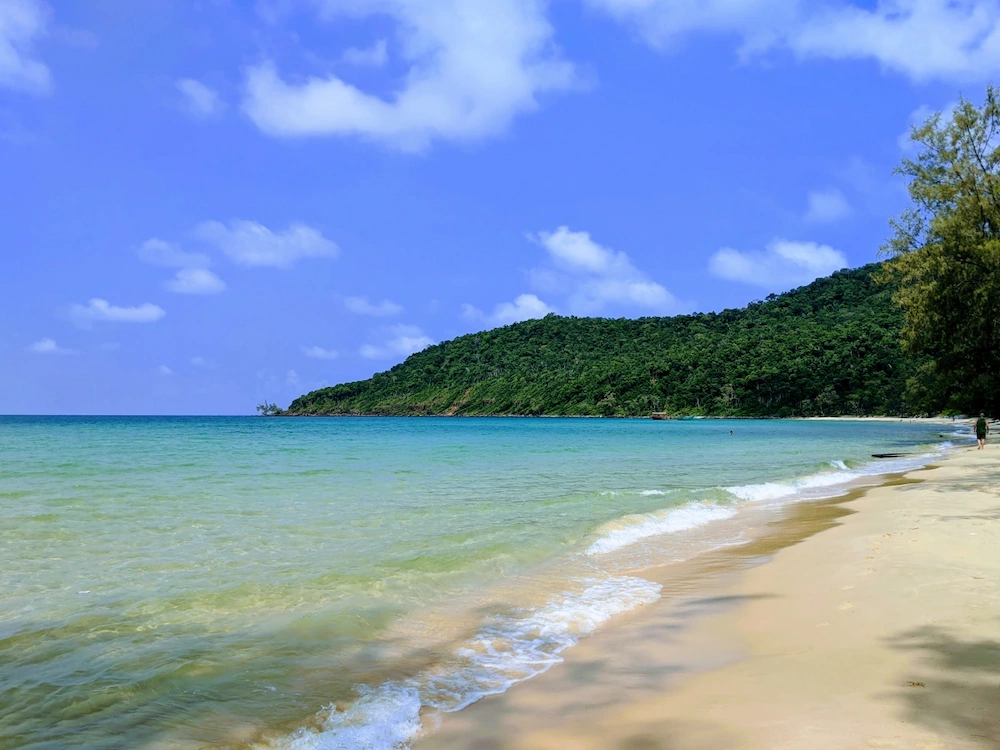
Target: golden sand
872,622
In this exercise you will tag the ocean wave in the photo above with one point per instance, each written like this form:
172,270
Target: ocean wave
618,493
506,650
632,528
818,485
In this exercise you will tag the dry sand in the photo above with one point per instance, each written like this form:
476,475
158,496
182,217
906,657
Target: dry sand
873,622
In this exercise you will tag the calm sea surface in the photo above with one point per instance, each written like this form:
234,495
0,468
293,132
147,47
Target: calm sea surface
331,583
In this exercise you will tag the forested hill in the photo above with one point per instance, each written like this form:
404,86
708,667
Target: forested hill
828,348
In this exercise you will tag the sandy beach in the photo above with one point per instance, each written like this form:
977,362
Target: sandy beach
869,621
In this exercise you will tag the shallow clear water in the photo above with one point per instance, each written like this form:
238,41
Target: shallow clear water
214,581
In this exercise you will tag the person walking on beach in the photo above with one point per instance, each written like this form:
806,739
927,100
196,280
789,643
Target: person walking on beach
982,430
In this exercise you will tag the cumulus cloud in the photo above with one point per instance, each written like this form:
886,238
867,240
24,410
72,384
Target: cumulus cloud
595,276
375,56
782,264
195,281
193,276
251,244
921,39
199,99
21,23
362,306
524,307
827,206
161,253
473,65
101,310
403,341
318,352
49,346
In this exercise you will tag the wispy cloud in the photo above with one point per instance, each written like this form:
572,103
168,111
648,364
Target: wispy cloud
361,306
162,253
403,340
22,22
318,352
251,244
164,370
783,264
921,39
827,205
101,310
199,100
195,281
49,346
375,56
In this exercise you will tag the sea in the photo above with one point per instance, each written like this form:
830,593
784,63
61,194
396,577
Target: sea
318,584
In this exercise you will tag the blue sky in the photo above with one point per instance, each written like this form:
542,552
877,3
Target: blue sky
214,202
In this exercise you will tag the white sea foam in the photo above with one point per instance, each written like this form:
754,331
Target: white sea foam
819,485
506,650
632,528
652,492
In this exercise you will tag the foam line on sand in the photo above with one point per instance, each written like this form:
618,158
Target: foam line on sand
874,622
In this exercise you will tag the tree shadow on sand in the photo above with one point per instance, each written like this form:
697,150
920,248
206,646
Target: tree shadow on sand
959,693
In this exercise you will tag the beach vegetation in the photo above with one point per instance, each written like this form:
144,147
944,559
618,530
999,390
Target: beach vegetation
944,259
267,409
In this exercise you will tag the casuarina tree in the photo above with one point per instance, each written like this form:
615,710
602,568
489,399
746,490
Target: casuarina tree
945,257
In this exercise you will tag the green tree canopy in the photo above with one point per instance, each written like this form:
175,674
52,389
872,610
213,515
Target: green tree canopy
945,258
828,348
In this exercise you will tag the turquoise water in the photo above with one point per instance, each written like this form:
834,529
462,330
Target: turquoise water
311,583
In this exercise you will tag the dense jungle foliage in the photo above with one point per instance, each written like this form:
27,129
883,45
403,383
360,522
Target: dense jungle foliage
828,348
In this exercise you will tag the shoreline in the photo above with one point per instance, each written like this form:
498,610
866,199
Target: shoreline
762,646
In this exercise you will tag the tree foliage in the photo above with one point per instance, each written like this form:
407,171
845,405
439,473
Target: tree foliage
828,348
945,259
266,409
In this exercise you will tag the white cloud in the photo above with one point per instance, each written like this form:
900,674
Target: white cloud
318,352
374,56
404,340
362,306
594,275
253,244
827,206
524,307
199,99
782,264
21,23
473,66
48,346
100,310
292,379
202,362
922,39
195,281
162,253
164,370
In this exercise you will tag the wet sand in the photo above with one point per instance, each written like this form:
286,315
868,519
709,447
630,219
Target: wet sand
869,621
